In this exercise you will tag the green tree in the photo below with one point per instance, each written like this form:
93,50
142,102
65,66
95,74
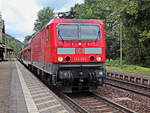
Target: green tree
128,19
26,39
44,16
136,22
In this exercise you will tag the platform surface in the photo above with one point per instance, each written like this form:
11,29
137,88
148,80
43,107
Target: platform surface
22,92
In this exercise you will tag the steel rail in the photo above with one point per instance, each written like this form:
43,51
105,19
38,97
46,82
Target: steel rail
140,89
130,78
72,103
114,104
98,97
128,82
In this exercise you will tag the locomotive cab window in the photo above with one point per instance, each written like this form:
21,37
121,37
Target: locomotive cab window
89,32
78,31
68,32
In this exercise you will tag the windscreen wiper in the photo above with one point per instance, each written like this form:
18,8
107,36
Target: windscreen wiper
98,34
60,35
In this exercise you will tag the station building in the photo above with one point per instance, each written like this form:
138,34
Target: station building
4,51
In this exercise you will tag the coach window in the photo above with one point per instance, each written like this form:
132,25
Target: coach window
47,33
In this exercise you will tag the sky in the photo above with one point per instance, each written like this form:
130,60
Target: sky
20,15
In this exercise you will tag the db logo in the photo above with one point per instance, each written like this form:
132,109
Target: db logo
80,51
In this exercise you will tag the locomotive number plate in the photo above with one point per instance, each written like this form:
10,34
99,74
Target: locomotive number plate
80,50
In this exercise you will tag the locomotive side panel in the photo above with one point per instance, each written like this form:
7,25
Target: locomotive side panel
49,50
37,50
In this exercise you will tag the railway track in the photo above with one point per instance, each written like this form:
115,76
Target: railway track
92,103
141,80
136,88
131,84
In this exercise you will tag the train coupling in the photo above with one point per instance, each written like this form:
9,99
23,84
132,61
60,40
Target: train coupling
65,75
99,73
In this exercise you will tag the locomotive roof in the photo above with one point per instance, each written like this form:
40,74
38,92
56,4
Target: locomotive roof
74,21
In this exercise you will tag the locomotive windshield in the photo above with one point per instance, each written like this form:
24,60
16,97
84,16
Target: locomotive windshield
68,32
78,32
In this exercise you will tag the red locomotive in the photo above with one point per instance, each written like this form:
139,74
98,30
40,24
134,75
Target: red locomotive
68,53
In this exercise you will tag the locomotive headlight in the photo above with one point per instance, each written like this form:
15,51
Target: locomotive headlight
98,58
60,59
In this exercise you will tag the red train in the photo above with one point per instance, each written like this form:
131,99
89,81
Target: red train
68,53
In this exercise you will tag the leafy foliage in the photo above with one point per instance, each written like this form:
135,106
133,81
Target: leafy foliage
136,22
12,43
44,16
128,19
26,39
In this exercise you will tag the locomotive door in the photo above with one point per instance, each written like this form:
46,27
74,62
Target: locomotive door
47,45
42,51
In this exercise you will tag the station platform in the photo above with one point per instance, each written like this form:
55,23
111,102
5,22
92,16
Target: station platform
22,92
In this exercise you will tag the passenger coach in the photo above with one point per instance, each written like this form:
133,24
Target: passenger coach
68,53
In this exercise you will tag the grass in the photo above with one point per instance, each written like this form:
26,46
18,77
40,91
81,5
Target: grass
114,65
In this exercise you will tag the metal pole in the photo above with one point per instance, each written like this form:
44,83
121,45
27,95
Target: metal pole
120,43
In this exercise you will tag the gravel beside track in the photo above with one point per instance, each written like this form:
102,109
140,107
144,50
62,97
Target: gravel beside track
137,88
136,102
